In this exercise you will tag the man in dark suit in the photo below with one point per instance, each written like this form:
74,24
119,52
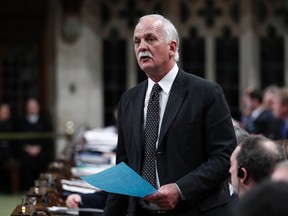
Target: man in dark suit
35,153
261,117
195,136
87,200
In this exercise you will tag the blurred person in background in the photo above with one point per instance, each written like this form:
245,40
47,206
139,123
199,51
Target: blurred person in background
6,147
35,151
261,117
91,200
279,127
268,96
246,108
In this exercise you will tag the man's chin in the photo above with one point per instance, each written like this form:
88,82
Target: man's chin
146,67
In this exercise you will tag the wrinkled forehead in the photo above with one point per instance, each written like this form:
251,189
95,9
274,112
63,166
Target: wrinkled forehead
148,26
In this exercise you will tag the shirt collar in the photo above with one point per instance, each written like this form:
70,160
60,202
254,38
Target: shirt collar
166,82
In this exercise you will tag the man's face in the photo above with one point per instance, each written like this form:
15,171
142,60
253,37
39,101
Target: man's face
153,53
234,169
4,113
268,99
246,100
32,107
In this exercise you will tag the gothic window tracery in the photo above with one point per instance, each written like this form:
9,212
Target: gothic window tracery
213,27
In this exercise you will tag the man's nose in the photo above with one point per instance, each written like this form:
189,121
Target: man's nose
142,45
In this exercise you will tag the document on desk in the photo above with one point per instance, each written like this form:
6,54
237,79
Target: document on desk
121,179
69,211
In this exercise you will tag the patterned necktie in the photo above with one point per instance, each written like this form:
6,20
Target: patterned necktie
151,135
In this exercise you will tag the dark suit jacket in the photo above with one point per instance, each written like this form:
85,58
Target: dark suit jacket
261,124
94,200
195,143
275,129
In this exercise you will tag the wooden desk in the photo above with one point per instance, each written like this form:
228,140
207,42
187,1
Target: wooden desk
27,211
40,198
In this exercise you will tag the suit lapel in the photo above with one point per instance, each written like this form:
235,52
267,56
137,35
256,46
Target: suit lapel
137,113
176,98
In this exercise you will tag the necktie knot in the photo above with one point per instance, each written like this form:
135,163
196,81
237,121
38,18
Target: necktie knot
156,90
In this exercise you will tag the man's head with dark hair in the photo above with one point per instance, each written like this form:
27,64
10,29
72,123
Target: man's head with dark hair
259,155
280,103
256,95
253,161
265,199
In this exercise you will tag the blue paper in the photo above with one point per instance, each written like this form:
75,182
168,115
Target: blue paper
121,179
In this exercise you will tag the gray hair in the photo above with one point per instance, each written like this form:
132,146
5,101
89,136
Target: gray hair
169,31
240,133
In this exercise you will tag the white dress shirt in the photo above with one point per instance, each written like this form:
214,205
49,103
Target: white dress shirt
166,84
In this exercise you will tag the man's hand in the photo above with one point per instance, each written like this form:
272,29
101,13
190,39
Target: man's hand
166,198
73,201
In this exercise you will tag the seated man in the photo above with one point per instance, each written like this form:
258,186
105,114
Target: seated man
241,134
253,161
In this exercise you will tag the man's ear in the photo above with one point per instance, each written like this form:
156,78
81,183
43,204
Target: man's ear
240,173
243,174
173,46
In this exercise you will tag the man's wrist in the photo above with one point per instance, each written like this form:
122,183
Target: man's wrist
181,194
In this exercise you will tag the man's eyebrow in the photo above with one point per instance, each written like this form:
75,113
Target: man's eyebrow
150,34
144,35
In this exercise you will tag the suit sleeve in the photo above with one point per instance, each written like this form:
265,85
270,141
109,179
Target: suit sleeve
218,138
